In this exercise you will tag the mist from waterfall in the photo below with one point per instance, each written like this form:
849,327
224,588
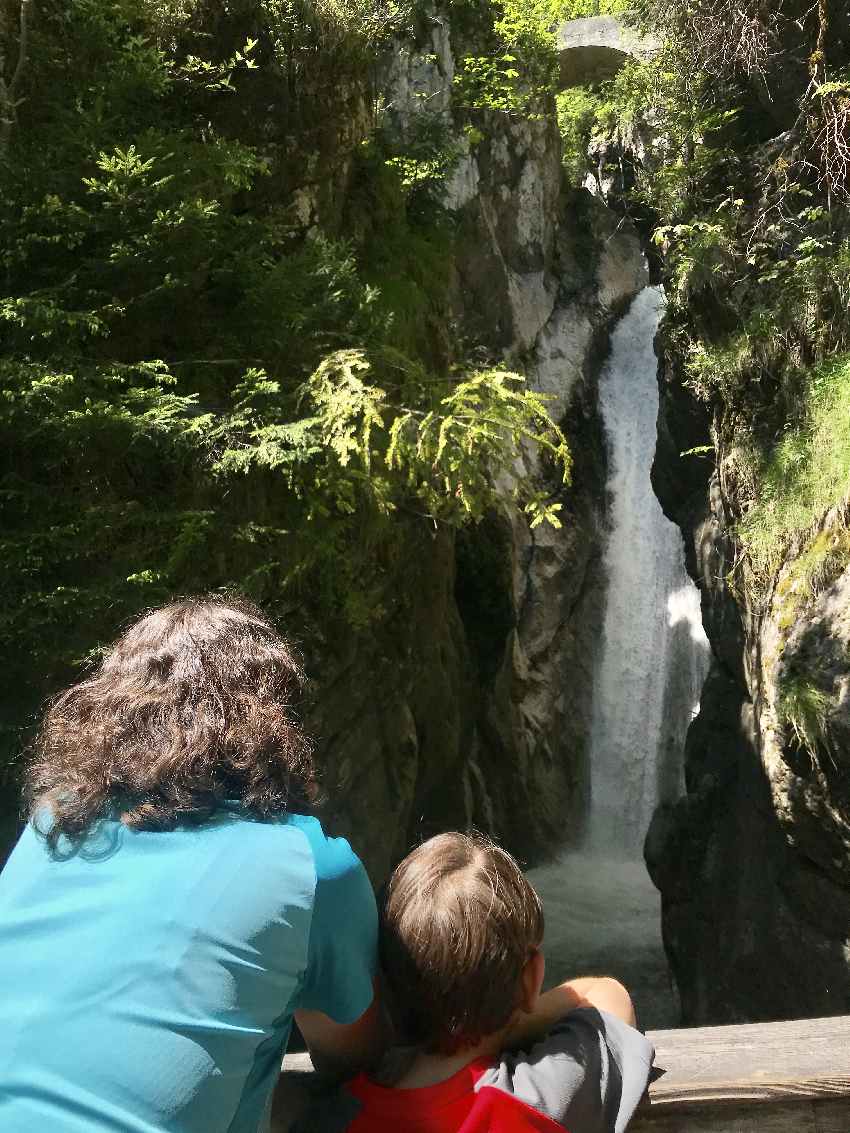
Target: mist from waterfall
602,911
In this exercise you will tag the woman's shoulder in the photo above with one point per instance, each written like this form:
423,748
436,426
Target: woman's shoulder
333,856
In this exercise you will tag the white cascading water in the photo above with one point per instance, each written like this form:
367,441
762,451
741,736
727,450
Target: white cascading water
602,911
654,649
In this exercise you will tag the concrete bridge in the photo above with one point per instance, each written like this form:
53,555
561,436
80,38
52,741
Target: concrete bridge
595,49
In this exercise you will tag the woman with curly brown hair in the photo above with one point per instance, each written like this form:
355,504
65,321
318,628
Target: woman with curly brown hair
173,904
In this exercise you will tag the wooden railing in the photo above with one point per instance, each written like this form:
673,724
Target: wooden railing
757,1078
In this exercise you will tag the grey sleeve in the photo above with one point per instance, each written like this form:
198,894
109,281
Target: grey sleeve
589,1073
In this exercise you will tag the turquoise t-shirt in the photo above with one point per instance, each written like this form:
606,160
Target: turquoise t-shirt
148,980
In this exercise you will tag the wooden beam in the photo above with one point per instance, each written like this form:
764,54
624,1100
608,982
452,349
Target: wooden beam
794,1117
752,1064
789,1077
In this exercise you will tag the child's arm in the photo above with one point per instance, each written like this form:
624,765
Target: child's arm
590,1070
340,1049
602,992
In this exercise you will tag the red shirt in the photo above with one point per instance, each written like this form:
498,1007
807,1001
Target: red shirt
586,1076
453,1106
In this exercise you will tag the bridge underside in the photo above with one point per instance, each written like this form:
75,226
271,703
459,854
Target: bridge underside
594,49
590,63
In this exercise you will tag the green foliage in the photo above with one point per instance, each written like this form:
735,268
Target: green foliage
491,82
794,289
361,444
804,708
328,25
406,239
518,72
736,363
737,162
422,157
751,226
578,114
650,105
196,394
85,527
548,13
475,432
809,573
806,472
296,29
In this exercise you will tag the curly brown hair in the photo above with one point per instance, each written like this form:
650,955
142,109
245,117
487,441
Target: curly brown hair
190,708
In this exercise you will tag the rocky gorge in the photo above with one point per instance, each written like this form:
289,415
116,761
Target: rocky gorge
753,863
475,707
405,206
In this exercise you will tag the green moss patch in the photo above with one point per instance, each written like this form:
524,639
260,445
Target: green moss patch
806,473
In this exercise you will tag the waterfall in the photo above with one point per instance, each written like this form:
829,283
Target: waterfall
654,653
602,911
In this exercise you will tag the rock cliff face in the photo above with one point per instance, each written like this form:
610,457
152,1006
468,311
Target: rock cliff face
476,707
470,701
754,864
